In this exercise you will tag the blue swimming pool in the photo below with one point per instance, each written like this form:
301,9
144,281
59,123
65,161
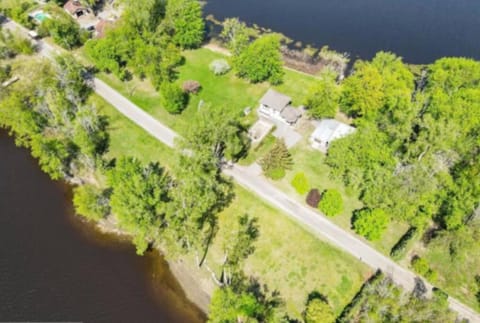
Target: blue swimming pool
40,16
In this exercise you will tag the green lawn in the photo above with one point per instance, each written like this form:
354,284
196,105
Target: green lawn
128,139
288,257
222,92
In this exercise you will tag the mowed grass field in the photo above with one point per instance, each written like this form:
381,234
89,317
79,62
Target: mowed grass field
288,258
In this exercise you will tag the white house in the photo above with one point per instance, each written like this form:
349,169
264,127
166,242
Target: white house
277,105
327,131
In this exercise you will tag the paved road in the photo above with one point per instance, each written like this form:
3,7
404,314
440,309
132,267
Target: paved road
249,179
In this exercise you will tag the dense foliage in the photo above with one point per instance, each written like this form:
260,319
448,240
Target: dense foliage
50,115
382,301
261,61
139,199
245,301
185,19
141,43
17,10
370,223
415,147
318,311
323,98
172,97
91,202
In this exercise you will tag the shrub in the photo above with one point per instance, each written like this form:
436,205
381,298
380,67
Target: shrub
191,86
275,174
313,198
12,44
440,295
173,99
300,183
370,223
318,311
5,72
402,246
18,11
421,266
90,202
219,67
331,203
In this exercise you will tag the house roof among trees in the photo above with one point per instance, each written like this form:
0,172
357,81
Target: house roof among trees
73,5
275,100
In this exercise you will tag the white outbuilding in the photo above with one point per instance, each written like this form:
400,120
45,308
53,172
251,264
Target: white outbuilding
327,131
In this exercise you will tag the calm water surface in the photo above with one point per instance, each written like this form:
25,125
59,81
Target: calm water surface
54,267
419,30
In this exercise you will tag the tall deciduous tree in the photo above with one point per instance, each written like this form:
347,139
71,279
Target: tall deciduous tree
228,306
323,98
261,61
370,223
185,16
235,34
139,199
362,94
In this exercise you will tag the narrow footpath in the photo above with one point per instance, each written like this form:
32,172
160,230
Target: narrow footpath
316,222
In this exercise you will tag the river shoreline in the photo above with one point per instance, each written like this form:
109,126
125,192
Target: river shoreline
195,292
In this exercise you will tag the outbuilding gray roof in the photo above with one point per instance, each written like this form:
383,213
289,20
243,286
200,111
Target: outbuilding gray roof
275,100
331,129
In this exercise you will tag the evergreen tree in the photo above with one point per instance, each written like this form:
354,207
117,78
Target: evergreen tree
277,160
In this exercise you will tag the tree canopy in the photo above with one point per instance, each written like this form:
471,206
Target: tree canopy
139,198
261,61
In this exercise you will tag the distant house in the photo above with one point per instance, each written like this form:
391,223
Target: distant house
76,9
277,105
327,131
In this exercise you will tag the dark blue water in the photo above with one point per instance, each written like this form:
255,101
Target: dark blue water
55,268
418,30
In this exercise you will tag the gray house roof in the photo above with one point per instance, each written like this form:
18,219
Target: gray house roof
331,129
274,100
